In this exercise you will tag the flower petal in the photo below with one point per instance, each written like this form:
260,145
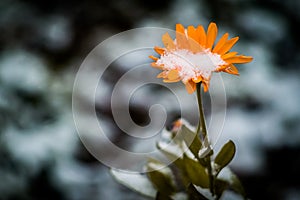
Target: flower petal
153,64
173,74
228,55
212,32
239,59
153,58
221,43
171,81
181,37
168,42
191,31
190,86
162,75
202,35
159,50
198,79
231,69
227,46
205,85
193,39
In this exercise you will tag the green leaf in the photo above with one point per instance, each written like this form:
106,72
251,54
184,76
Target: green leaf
233,181
225,155
196,172
191,140
137,182
162,178
194,194
220,186
170,146
162,196
171,153
236,185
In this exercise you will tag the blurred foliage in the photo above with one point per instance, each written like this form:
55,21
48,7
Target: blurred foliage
187,177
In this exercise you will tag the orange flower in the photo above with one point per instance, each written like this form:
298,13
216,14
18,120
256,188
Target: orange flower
177,125
192,56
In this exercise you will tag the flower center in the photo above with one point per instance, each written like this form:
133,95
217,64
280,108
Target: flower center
191,65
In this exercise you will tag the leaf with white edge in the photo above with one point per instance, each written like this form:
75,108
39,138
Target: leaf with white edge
204,191
225,155
168,136
205,152
220,187
137,182
171,151
161,177
233,181
169,144
180,196
194,194
236,185
196,172
191,140
162,196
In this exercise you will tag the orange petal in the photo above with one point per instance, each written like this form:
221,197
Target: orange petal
239,59
159,50
171,81
193,39
227,46
153,58
205,86
181,37
179,28
231,69
173,74
190,86
228,55
221,42
162,75
156,65
198,79
212,32
202,35
168,42
177,125
221,68
191,31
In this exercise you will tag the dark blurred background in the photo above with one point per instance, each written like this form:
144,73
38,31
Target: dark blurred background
42,45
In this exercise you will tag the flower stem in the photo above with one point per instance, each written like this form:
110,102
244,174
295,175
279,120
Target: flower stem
202,131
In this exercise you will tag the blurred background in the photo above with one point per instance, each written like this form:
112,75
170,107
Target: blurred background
43,43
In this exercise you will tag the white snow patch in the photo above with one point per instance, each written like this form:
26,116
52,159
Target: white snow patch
41,145
190,65
20,69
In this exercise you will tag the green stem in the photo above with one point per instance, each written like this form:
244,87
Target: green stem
202,131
